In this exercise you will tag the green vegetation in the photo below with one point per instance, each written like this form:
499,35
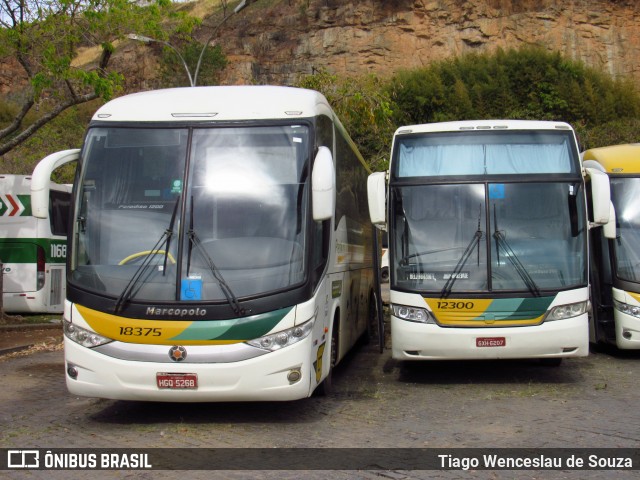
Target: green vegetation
364,107
529,83
172,71
45,39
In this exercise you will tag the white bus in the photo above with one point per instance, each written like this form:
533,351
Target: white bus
220,247
487,225
33,250
615,258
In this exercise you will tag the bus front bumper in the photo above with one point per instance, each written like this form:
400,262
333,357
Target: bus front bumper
264,378
557,339
627,330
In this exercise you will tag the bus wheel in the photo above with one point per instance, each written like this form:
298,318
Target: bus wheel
372,320
326,387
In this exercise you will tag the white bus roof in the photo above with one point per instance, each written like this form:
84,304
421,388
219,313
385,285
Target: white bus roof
218,103
483,125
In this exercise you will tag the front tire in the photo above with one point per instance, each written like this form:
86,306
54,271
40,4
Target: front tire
326,386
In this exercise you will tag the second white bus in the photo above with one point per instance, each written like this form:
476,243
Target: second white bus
33,250
487,225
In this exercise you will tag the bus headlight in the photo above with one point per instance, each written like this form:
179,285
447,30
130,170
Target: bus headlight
413,314
82,336
562,312
276,341
632,310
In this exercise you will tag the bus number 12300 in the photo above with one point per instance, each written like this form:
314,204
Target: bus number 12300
455,305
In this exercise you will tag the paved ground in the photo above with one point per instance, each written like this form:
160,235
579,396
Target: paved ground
588,402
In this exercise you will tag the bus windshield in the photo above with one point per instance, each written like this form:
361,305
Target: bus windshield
191,213
624,194
484,153
488,237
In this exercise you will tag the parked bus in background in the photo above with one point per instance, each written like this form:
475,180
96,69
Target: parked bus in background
615,260
487,225
33,250
220,248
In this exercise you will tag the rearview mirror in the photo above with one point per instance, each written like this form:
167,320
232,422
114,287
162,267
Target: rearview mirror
609,228
376,195
600,196
323,185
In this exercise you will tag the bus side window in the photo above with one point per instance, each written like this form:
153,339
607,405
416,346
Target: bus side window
59,209
321,230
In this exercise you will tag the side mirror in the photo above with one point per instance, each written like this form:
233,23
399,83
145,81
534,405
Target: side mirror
323,185
609,228
41,180
376,194
600,196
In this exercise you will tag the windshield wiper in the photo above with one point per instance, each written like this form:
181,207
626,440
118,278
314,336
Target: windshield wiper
162,245
194,241
475,242
501,241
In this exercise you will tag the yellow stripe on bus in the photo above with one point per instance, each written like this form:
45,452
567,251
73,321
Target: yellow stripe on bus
132,330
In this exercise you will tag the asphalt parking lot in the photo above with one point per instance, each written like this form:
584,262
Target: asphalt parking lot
587,402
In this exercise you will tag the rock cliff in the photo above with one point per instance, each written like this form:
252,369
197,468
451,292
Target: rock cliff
277,43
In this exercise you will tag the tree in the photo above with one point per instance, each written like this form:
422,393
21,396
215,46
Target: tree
172,73
45,36
364,109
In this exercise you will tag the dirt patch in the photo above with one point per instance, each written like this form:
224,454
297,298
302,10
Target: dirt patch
6,319
19,338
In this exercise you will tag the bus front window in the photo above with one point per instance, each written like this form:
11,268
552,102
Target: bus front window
246,211
532,238
444,235
440,237
242,232
624,193
129,193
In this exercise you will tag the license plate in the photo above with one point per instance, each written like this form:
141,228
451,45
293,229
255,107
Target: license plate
491,342
177,381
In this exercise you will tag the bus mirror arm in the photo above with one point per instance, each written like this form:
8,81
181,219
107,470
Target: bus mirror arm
41,179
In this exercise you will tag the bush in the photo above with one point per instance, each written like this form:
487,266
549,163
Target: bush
364,109
528,83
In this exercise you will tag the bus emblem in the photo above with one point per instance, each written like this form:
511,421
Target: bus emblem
177,354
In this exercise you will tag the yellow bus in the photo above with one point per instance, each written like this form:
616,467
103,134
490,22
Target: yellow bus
615,262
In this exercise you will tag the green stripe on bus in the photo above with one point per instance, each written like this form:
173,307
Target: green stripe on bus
237,329
519,308
22,250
